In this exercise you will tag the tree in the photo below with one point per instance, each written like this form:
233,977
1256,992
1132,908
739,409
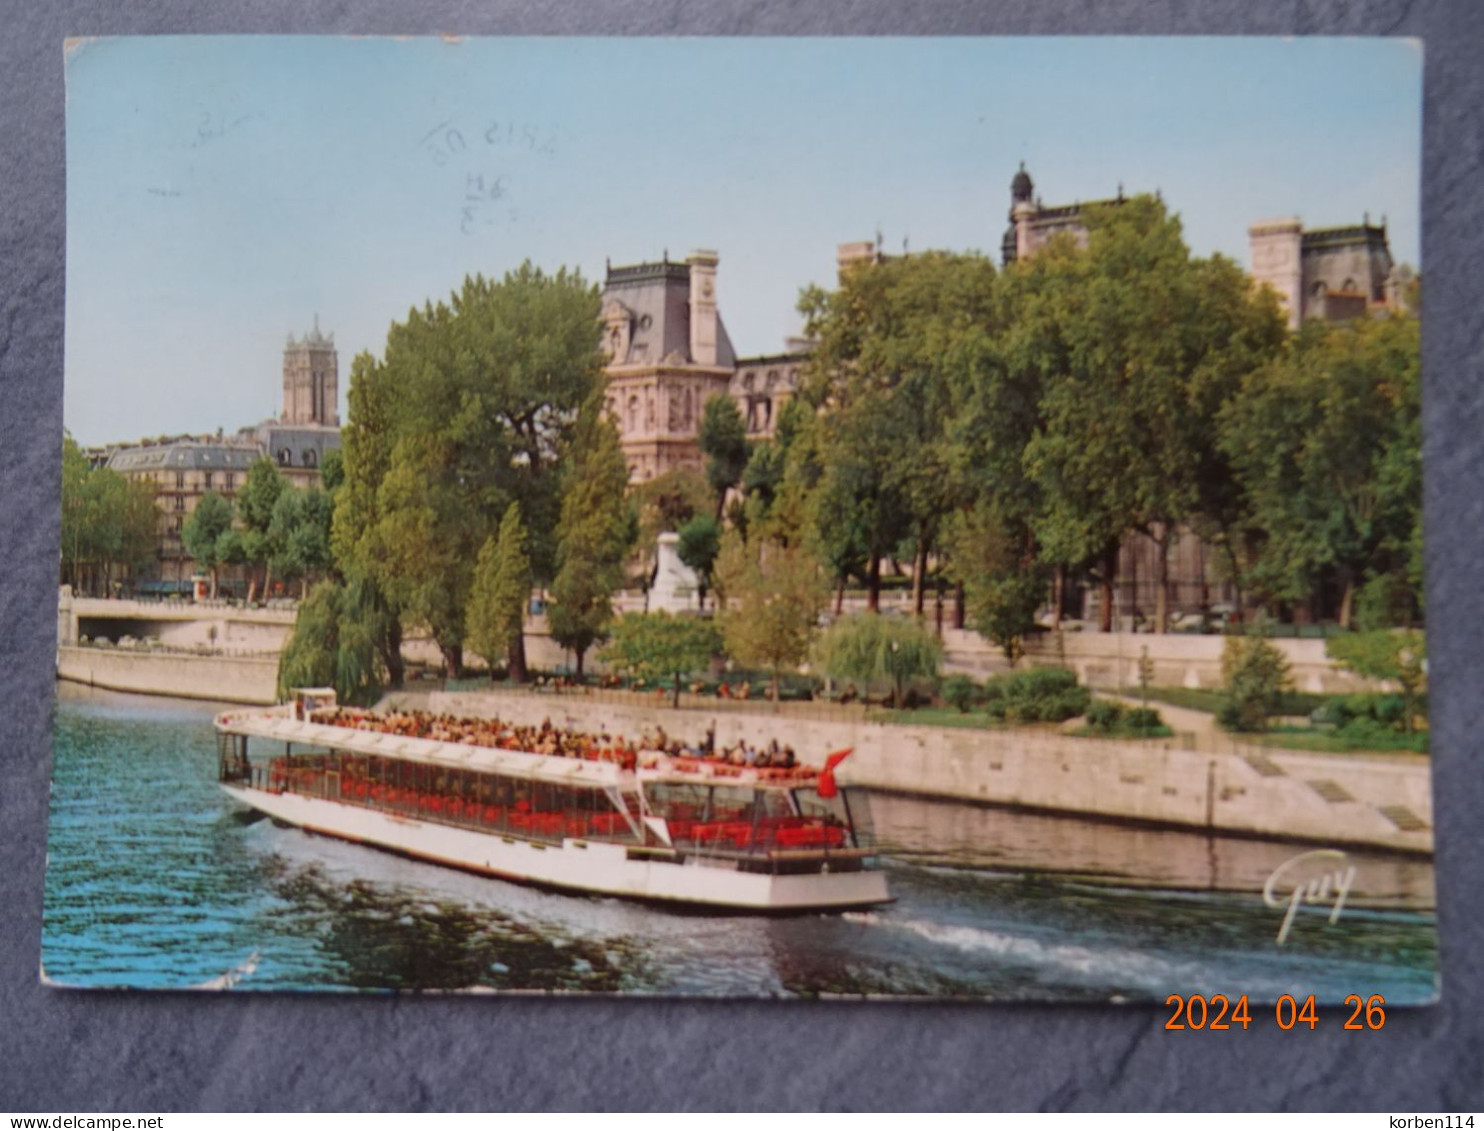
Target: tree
1003,582
594,535
723,440
202,533
109,523
771,598
1256,675
868,648
1400,656
355,533
338,641
661,645
473,407
501,591
332,471
700,543
1326,441
1147,344
255,503
298,535
889,338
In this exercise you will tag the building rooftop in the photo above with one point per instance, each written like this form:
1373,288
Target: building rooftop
655,297
185,454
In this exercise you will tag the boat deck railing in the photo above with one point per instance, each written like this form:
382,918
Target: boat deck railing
430,805
730,836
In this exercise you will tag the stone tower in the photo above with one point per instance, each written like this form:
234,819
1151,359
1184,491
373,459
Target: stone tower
311,379
1278,261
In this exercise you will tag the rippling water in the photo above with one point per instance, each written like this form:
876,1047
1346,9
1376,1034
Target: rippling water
156,879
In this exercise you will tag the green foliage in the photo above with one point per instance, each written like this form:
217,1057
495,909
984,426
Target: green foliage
332,470
500,591
1143,718
338,642
259,495
700,543
895,342
669,501
723,440
1104,714
1142,345
660,645
1003,584
1326,442
961,692
772,598
203,530
473,406
1255,674
109,523
867,649
1399,656
594,534
298,535
1036,695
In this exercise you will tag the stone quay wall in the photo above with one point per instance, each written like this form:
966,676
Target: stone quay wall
1332,799
231,679
1110,660
177,624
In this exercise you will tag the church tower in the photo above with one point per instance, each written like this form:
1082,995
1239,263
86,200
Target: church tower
311,379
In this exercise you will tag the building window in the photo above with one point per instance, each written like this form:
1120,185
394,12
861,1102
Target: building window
180,480
180,502
311,457
285,457
206,481
231,484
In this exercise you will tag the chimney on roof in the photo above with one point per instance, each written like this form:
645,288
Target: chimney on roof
703,334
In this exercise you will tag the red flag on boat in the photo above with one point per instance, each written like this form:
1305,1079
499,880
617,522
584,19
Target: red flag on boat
827,775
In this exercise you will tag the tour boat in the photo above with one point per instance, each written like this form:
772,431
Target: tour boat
682,831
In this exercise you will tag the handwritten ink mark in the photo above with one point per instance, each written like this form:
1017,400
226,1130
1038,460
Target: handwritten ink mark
164,192
214,127
1314,890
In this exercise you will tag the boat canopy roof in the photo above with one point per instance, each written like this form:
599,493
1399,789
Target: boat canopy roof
654,766
451,755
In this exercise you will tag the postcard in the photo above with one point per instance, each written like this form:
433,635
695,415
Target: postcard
850,518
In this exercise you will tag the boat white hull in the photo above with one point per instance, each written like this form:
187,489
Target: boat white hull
588,866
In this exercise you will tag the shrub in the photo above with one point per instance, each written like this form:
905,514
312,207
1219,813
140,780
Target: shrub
1256,675
1104,714
1389,709
1143,718
1065,705
1230,717
960,691
1037,695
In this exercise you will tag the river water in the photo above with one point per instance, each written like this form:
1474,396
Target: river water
155,879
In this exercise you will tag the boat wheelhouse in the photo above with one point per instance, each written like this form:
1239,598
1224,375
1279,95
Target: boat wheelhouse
613,820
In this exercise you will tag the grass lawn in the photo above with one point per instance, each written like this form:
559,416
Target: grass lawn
935,717
1123,730
1336,742
1211,701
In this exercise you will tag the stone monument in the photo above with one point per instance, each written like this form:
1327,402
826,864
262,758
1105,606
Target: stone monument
675,584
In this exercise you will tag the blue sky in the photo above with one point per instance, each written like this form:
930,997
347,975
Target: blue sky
222,191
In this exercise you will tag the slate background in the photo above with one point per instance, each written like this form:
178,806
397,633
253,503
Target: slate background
94,1052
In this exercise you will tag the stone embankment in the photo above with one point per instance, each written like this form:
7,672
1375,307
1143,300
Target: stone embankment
1110,660
185,675
1381,801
